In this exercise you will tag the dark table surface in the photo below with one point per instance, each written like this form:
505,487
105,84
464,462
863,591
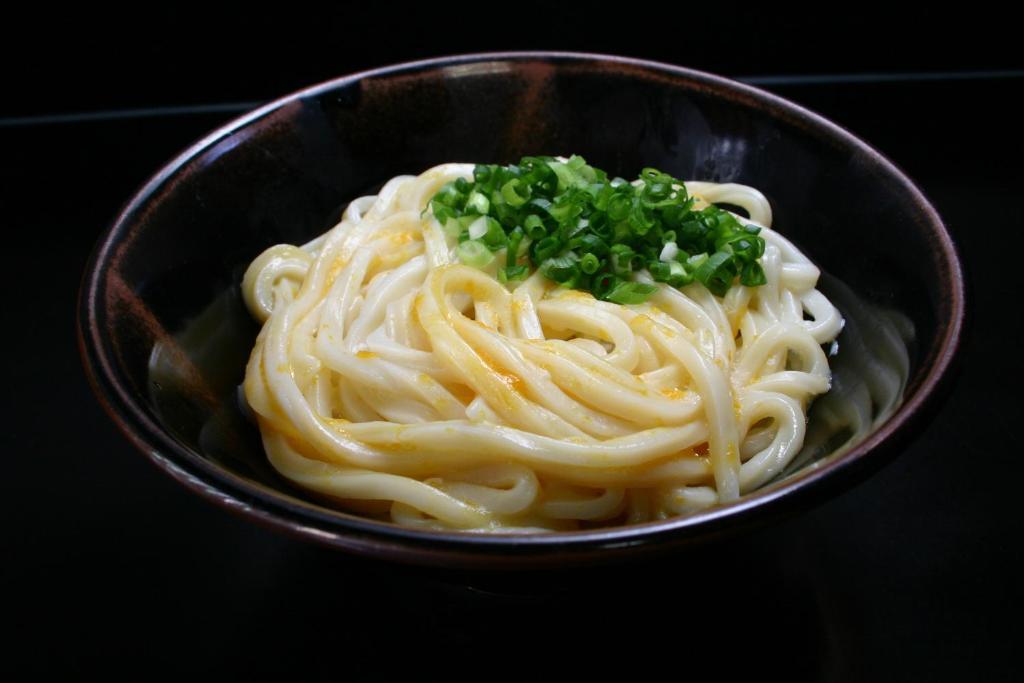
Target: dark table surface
109,564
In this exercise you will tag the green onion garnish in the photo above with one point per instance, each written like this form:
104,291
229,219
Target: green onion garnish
474,253
584,231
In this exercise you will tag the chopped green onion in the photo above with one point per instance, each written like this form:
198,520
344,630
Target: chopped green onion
514,239
583,230
659,270
511,192
512,273
589,243
602,284
622,259
618,206
631,293
546,248
477,203
478,228
534,227
560,269
678,275
753,275
717,273
495,238
474,253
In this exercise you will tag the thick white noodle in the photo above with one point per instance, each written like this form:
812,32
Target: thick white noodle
393,379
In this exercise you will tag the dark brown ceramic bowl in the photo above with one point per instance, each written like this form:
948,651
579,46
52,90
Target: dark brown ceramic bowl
165,337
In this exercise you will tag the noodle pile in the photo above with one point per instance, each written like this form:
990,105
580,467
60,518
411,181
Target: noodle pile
400,383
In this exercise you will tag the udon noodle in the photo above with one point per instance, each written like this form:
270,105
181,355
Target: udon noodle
394,380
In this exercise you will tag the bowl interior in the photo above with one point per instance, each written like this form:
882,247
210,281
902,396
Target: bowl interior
164,308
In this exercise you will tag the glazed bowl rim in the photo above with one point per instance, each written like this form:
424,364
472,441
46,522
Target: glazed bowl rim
309,520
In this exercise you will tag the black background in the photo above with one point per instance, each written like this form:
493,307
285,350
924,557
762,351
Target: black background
108,565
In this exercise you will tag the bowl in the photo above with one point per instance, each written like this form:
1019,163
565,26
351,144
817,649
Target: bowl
165,337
